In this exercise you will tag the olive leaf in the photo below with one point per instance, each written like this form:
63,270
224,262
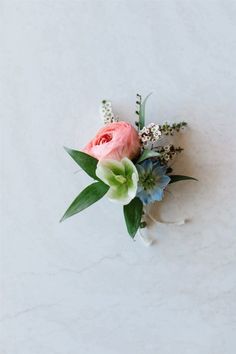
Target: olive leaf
87,197
146,154
177,178
142,112
85,161
133,214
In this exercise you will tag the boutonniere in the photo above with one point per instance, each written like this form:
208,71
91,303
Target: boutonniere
130,165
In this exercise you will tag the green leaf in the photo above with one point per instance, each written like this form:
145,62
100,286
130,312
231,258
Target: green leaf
85,161
142,112
87,197
147,154
133,214
177,178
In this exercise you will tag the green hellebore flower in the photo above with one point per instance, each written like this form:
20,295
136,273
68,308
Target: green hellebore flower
121,176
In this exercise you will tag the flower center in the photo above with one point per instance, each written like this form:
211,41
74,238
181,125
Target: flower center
104,139
120,179
147,181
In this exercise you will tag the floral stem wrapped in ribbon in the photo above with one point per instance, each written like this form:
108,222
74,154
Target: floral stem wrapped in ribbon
129,165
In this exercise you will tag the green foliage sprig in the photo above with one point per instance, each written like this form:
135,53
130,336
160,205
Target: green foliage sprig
140,111
170,129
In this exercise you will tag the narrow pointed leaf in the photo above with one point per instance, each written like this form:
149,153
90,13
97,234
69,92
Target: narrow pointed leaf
133,214
142,112
177,178
147,154
87,197
85,161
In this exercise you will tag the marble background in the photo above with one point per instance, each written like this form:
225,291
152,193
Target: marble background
84,286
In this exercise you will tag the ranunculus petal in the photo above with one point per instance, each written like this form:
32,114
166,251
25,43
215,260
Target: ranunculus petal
115,141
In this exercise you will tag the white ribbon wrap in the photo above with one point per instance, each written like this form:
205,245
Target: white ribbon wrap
145,236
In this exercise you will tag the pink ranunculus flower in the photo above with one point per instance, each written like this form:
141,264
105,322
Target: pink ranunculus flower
115,141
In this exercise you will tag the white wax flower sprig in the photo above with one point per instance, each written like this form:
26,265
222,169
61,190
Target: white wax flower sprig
106,112
150,134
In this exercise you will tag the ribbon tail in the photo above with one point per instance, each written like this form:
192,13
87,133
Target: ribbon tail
177,222
148,240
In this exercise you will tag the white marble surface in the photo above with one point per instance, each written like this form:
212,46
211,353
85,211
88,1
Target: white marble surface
83,286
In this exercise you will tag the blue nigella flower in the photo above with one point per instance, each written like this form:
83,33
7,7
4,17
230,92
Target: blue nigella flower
152,181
